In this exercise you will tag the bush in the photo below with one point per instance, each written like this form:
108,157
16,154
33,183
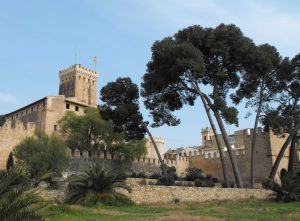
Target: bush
166,181
204,183
231,185
215,180
95,185
289,190
193,174
138,175
41,154
155,176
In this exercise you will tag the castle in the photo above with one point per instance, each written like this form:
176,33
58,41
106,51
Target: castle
77,90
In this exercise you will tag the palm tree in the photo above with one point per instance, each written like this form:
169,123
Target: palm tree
96,181
17,203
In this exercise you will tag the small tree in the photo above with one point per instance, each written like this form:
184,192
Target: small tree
122,107
10,162
91,132
41,154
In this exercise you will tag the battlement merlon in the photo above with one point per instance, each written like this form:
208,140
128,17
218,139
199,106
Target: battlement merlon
80,69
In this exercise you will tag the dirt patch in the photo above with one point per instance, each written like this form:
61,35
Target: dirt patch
293,215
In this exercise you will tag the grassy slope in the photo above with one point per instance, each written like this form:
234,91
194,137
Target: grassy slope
205,211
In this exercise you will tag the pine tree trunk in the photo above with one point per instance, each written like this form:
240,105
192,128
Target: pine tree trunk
253,144
283,149
224,169
163,167
232,155
292,155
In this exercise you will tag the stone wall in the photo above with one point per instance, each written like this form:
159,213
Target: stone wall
81,160
268,146
152,194
10,137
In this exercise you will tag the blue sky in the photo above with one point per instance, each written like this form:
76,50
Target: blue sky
38,38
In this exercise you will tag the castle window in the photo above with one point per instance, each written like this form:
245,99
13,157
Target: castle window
12,117
204,137
37,107
67,106
210,137
17,115
55,127
44,104
76,108
31,109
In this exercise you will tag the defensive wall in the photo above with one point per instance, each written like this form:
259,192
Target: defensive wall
267,149
10,137
80,160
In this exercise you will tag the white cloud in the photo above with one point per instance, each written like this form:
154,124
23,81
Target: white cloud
8,98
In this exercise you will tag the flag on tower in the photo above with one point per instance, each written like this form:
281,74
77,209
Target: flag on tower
95,60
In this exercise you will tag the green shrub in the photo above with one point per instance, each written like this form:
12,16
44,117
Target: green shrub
17,201
166,181
96,180
138,175
289,190
204,183
155,176
193,174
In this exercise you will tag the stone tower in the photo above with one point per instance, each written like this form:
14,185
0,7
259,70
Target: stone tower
150,147
79,83
207,136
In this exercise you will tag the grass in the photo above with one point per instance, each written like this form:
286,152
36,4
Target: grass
210,211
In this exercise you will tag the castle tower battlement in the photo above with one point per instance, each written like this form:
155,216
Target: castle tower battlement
79,83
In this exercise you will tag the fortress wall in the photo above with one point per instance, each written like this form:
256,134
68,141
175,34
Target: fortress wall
266,145
10,137
80,160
